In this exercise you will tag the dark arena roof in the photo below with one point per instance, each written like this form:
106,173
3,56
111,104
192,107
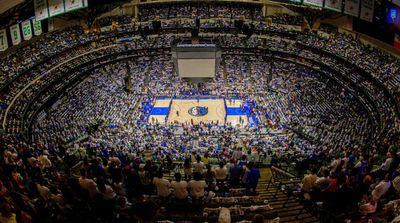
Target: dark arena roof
199,111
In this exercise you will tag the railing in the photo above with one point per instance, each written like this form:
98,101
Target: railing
287,183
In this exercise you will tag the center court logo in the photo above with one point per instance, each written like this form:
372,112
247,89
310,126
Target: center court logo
198,111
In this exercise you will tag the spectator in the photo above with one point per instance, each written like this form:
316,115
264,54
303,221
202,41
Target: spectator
235,172
209,177
162,185
252,178
198,166
88,184
180,187
221,172
197,186
187,169
308,181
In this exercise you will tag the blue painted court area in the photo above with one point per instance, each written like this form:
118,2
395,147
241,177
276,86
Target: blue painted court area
234,111
163,98
160,111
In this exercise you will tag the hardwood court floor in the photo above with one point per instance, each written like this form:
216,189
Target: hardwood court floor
157,119
162,103
216,111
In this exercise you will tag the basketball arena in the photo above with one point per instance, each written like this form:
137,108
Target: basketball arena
199,111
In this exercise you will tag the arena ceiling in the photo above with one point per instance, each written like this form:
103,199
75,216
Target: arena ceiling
8,4
12,11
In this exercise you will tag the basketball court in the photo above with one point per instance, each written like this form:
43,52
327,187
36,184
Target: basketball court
181,111
198,110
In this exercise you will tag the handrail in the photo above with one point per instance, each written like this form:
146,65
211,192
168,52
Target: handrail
285,172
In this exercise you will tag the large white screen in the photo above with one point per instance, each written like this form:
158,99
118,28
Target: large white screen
196,68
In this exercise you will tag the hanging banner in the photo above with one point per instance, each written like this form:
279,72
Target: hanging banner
367,10
71,5
3,40
41,10
335,5
317,3
392,16
397,41
351,7
37,27
15,34
56,7
27,29
85,3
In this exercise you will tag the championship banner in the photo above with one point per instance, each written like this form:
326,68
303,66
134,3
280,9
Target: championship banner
27,29
335,5
367,10
56,7
41,9
3,40
318,3
351,7
37,27
71,5
85,3
15,34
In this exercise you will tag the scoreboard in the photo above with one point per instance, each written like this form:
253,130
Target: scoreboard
196,60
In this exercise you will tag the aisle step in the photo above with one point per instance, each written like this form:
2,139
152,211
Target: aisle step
289,210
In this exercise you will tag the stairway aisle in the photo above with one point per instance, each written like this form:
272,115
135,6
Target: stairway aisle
288,213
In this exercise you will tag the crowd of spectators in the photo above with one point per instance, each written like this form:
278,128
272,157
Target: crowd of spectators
304,117
51,44
38,185
201,10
